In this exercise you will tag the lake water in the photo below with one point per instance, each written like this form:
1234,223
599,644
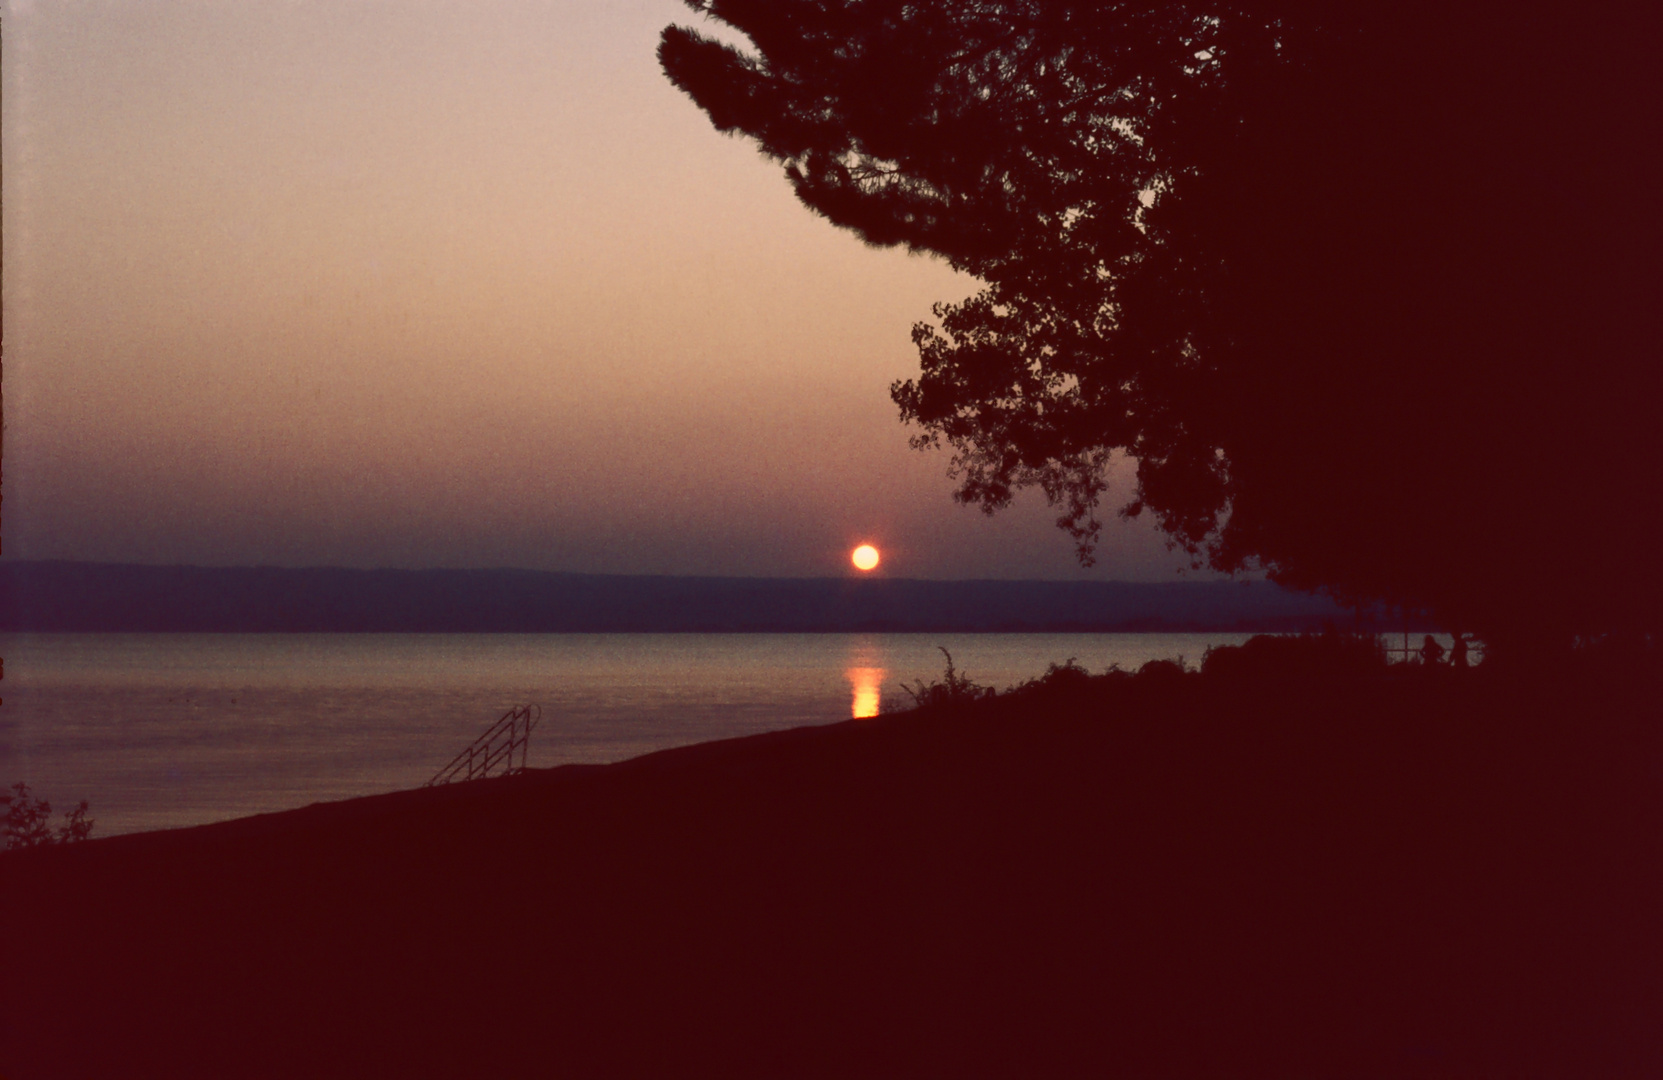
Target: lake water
166,730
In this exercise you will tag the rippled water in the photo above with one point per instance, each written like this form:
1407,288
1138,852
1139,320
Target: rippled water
166,730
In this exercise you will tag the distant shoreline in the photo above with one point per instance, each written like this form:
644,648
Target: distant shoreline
73,597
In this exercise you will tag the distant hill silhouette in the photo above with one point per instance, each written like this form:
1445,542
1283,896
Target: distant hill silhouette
71,596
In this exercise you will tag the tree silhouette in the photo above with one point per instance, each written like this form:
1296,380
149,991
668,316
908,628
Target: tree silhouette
1369,290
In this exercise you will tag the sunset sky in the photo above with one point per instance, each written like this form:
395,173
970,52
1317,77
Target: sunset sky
426,284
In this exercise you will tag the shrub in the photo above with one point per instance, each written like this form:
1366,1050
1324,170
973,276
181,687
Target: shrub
1068,680
1163,672
77,826
956,688
1330,654
1068,675
29,821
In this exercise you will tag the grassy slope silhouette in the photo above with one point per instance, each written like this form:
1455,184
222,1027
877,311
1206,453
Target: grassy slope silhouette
1252,872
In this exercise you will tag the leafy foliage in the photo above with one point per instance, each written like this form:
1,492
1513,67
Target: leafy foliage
29,821
1332,654
953,689
1365,288
1069,674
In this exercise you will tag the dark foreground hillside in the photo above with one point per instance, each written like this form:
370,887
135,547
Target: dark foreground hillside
1160,876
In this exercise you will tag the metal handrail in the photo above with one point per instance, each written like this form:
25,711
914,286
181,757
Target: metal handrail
496,746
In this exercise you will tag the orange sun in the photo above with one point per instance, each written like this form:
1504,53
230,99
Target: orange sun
865,557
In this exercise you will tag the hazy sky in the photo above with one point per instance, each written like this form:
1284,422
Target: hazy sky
376,283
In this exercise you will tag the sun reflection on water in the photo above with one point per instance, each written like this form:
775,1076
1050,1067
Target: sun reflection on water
868,689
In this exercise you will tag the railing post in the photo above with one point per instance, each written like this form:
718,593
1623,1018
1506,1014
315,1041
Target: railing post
495,746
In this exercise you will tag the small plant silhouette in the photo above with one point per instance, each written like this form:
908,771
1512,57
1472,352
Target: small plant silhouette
1070,675
956,688
29,821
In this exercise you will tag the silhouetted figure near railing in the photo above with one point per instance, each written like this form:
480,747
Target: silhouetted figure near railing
1458,653
1431,652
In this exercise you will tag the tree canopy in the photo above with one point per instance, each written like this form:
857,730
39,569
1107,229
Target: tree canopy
1370,291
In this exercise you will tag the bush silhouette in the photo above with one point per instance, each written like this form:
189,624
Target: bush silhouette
29,821
1328,655
955,688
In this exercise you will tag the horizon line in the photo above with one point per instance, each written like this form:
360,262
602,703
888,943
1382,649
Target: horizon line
6,560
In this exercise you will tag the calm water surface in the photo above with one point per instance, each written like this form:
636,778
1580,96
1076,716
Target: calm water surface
167,730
